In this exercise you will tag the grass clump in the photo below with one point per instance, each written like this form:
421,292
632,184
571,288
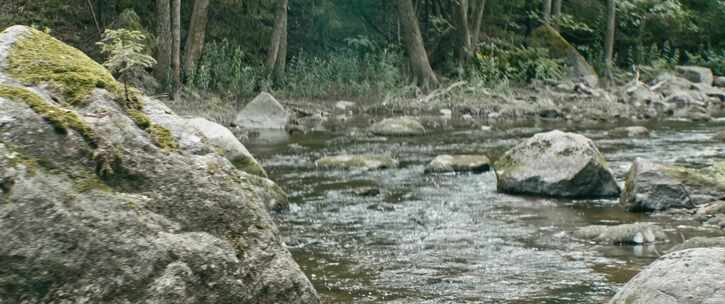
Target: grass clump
61,119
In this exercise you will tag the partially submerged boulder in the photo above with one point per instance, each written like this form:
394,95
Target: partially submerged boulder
696,74
263,112
398,126
556,164
100,202
459,163
547,37
692,276
628,234
654,187
629,132
357,162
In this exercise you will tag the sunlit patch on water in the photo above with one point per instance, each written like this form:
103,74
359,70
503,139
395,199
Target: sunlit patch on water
451,238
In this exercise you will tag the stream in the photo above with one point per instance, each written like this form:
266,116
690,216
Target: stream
451,238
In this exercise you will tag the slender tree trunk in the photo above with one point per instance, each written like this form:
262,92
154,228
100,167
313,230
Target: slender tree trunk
281,65
410,29
176,48
195,38
163,41
609,41
463,36
477,22
556,12
277,34
547,10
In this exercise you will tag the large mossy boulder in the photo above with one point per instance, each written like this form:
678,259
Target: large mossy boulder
654,187
101,203
556,164
547,37
692,276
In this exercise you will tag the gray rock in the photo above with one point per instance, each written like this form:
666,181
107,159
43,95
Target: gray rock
633,234
263,112
712,208
634,131
131,218
692,276
357,162
399,126
654,187
344,105
719,136
555,164
719,82
459,163
700,242
696,74
223,139
717,221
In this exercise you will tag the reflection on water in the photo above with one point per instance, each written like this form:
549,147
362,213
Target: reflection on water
454,239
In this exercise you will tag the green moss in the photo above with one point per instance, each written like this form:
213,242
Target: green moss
39,59
90,183
61,119
249,165
162,137
547,37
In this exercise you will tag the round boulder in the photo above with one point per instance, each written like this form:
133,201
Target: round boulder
399,126
556,164
459,163
682,277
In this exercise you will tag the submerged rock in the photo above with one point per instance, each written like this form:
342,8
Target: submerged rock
720,136
638,233
399,126
103,203
696,74
459,163
357,162
263,112
655,187
700,242
555,164
692,276
624,132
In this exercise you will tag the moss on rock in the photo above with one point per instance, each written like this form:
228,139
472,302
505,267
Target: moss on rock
61,119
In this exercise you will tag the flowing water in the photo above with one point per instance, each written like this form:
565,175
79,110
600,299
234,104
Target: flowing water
451,238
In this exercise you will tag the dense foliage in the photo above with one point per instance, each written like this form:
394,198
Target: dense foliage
353,47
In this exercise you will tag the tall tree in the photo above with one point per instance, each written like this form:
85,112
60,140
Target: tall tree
195,37
477,21
609,40
410,30
278,34
463,36
556,10
176,46
547,10
163,41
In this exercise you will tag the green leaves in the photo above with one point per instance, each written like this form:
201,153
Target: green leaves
125,51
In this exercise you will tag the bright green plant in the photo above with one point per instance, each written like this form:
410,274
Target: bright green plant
125,53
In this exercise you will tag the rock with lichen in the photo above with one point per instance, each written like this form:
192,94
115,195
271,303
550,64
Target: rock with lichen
101,201
556,164
398,126
549,38
691,276
459,163
651,186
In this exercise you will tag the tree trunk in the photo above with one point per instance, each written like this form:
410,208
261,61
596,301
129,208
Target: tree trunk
476,30
195,38
163,41
609,41
547,10
463,36
410,29
556,12
281,65
176,48
277,33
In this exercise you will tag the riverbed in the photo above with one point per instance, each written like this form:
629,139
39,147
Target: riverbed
403,236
